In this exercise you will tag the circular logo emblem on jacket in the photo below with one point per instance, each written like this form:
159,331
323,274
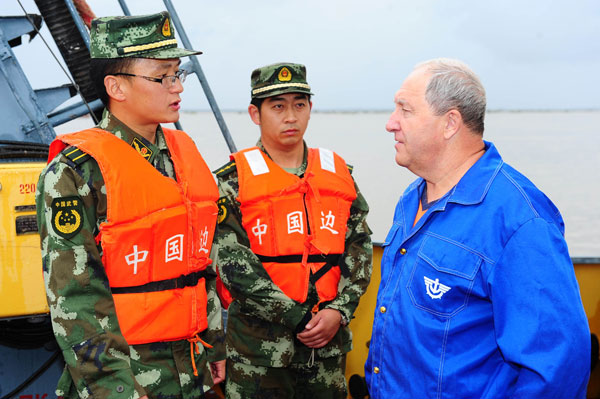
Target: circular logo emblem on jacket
67,215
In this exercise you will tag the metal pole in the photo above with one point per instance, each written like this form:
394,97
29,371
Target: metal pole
201,77
78,22
124,7
74,111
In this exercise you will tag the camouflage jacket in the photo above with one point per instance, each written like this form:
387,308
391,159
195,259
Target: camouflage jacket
99,362
262,321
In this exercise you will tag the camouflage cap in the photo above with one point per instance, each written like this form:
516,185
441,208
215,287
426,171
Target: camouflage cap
143,36
277,79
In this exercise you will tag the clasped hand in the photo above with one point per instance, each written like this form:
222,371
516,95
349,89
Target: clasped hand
321,328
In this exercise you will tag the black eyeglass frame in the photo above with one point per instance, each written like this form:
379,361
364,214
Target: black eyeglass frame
181,74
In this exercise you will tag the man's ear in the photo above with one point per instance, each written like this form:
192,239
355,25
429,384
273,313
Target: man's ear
453,123
114,88
254,113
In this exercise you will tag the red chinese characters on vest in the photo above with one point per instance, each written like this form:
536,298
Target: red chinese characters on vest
157,237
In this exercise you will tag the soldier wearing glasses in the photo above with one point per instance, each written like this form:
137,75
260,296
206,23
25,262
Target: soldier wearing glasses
128,272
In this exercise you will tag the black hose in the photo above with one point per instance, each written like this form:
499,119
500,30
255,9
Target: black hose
26,334
22,150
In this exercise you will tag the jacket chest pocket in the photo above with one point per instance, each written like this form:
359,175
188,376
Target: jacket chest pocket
442,277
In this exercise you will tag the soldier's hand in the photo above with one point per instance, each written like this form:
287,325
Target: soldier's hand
321,328
217,371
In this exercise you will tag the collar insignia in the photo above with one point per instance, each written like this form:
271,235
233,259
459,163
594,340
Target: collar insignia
142,148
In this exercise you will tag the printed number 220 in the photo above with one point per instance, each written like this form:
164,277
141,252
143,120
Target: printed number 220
28,188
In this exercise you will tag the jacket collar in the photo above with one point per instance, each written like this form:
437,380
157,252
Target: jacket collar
474,185
471,189
148,150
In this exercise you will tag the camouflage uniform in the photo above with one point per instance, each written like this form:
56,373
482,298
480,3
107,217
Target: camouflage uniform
99,363
262,321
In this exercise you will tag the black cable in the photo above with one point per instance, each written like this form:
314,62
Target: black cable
24,334
23,150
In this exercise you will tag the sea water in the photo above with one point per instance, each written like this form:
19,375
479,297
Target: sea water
558,151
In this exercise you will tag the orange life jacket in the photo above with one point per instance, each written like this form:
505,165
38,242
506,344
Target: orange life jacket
297,226
157,236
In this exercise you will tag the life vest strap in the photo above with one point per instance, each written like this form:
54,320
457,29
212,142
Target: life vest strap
331,260
314,277
185,280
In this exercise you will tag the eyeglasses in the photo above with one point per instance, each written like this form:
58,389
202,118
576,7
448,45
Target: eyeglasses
166,81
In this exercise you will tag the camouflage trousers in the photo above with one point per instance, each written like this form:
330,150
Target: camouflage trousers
164,369
323,380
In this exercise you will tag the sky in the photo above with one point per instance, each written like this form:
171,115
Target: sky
530,55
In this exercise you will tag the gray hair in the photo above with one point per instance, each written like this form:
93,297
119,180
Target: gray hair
453,85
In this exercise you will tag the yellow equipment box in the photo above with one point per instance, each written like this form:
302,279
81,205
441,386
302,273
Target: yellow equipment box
22,290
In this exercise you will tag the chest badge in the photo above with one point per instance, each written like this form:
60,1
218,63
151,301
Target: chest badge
435,289
67,215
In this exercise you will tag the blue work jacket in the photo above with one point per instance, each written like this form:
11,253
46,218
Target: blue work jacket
479,299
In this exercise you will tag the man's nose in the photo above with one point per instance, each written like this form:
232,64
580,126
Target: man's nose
290,115
392,124
177,86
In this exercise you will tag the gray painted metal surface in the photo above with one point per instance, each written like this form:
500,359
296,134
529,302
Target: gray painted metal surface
23,118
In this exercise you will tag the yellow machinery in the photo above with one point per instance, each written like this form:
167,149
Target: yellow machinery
21,281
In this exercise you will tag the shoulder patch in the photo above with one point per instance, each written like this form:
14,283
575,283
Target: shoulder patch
225,169
67,216
75,155
222,205
350,168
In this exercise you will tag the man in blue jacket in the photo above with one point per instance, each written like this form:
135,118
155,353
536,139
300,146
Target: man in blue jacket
478,296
